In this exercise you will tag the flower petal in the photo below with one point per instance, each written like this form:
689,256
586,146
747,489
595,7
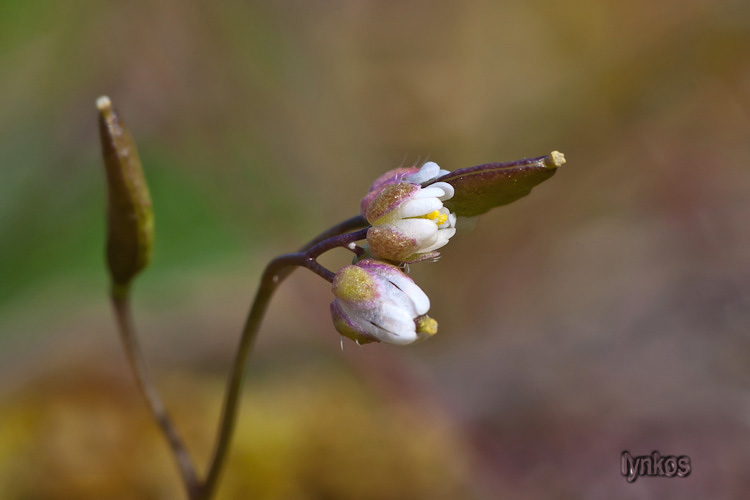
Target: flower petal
443,236
428,171
434,191
404,291
447,189
398,323
348,325
411,296
418,207
424,231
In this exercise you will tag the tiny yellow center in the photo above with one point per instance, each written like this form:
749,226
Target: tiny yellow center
437,216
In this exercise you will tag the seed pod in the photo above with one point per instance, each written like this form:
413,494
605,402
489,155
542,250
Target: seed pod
480,188
130,220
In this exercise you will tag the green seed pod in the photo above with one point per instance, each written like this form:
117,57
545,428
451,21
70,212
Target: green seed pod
130,219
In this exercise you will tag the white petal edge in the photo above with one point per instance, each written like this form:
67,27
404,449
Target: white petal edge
428,171
432,191
409,294
452,219
423,230
443,236
419,207
447,189
394,319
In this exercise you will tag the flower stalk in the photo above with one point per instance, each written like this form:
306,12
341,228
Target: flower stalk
407,215
129,241
274,274
139,367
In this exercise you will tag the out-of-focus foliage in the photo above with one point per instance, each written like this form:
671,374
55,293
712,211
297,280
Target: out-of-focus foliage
607,311
95,440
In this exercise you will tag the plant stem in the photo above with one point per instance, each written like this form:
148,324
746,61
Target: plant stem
121,304
274,274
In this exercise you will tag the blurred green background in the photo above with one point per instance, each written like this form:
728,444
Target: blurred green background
608,311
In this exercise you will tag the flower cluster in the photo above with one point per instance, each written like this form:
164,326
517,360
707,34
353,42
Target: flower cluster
375,300
411,214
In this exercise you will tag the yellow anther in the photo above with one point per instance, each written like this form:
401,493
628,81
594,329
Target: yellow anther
437,216
427,325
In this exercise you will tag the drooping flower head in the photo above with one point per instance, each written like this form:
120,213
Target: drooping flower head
376,302
409,222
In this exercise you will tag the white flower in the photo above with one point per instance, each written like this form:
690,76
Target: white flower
377,302
409,222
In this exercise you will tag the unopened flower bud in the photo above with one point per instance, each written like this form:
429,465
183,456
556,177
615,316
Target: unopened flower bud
377,302
130,222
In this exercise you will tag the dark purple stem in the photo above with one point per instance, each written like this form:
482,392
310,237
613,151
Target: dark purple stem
121,306
274,274
356,222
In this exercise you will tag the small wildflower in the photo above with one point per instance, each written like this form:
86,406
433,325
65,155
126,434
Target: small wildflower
376,302
409,222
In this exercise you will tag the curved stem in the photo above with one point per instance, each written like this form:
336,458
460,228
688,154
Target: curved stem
274,274
350,224
121,305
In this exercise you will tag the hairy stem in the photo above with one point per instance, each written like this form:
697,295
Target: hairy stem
121,305
274,274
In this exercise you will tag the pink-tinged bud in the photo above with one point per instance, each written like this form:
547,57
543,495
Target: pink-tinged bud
389,199
377,302
391,177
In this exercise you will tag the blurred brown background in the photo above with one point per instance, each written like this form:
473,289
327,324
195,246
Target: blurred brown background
608,311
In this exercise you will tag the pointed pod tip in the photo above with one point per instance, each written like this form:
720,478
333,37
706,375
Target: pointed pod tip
554,159
104,104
